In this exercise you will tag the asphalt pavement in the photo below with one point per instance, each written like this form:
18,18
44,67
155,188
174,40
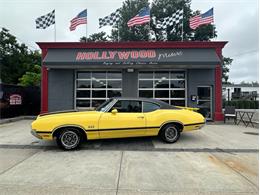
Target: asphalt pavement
218,159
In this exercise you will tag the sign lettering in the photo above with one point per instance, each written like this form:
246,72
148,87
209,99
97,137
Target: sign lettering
112,55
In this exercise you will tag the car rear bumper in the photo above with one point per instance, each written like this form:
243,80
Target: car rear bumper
195,126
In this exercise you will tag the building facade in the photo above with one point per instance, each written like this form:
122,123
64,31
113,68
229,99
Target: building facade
240,92
83,75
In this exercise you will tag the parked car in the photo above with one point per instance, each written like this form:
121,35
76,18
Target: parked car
117,118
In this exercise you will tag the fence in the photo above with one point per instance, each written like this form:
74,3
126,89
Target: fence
17,100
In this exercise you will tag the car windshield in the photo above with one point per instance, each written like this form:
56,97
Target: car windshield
104,105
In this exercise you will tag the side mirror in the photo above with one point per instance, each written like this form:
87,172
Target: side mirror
114,111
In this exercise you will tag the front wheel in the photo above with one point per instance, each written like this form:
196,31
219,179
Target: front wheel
170,133
69,139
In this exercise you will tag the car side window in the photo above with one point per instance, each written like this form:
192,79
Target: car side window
149,107
127,106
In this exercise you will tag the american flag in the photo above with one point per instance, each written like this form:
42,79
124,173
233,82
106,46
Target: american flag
142,17
201,19
81,18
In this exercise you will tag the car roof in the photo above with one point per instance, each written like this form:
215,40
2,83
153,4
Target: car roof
163,105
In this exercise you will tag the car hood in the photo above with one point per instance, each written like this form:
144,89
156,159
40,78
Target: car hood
65,113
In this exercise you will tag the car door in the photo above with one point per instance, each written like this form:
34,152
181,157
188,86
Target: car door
153,118
128,121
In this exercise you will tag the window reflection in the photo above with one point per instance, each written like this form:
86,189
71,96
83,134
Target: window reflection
165,85
83,84
98,85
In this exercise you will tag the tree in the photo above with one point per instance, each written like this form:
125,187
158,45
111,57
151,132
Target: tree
31,78
159,10
225,69
15,58
137,33
96,37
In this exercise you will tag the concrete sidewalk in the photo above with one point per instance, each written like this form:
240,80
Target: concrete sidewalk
218,159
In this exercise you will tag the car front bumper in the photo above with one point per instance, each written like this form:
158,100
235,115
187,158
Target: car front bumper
35,134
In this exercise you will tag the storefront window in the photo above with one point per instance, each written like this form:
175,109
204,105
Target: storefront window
114,93
146,93
177,83
145,84
114,84
93,88
83,84
168,86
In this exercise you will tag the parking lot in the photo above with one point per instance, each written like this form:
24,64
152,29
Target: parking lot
218,159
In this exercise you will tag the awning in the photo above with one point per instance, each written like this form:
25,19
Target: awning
134,58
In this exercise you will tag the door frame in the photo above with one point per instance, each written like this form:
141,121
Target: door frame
211,99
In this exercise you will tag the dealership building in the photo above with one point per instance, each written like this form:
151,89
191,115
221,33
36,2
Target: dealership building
79,75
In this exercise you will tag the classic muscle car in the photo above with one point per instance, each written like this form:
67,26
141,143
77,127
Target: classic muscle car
117,118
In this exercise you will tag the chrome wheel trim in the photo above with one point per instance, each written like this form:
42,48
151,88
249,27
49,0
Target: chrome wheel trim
69,139
171,133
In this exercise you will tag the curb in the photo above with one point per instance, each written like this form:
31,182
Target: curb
9,120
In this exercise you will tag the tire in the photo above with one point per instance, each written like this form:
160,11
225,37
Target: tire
69,139
170,133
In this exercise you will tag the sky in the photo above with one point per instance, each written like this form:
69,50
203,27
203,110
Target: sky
237,21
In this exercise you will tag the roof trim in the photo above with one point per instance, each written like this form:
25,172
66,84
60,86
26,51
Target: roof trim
134,44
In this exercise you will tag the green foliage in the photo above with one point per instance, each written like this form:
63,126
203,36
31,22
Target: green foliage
15,58
136,33
225,69
159,10
96,37
242,104
163,8
31,78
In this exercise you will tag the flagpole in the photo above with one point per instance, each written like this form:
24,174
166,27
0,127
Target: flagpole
182,25
149,24
55,31
213,25
118,32
86,32
149,29
212,31
54,27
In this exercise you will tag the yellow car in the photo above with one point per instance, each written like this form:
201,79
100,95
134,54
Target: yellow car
117,118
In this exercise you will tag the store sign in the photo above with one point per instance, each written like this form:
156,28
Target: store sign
61,58
128,56
15,99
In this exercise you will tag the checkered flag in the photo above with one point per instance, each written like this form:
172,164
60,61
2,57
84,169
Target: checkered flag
46,20
110,20
176,18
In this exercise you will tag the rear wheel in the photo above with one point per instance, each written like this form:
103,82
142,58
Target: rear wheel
170,133
69,139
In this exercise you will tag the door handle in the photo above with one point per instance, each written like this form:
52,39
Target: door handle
141,117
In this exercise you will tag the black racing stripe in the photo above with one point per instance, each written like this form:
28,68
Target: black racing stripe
121,129
194,124
44,132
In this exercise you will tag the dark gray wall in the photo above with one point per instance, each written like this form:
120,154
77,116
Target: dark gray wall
197,78
129,83
61,86
60,90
